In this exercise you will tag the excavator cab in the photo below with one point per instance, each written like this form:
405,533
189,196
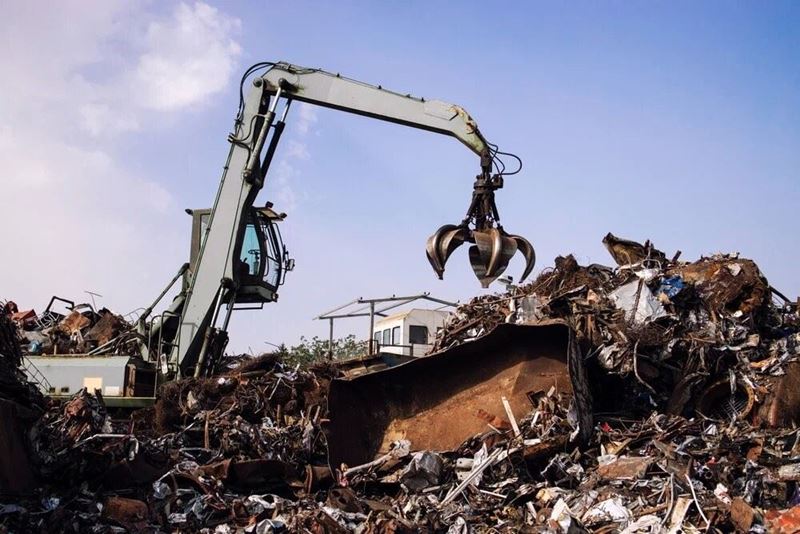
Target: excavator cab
262,261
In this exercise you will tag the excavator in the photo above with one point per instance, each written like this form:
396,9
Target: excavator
238,260
237,256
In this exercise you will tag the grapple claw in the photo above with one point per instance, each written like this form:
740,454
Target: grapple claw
524,246
442,243
492,247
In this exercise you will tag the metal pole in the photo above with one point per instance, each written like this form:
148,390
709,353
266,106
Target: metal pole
207,337
146,313
371,325
330,340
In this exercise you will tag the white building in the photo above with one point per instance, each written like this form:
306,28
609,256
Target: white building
410,333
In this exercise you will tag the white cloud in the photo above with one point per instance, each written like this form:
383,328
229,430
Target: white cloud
76,217
284,174
99,118
173,63
188,58
281,177
307,118
296,150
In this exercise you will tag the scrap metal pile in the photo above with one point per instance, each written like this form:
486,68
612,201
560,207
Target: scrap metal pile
673,336
80,330
694,380
221,451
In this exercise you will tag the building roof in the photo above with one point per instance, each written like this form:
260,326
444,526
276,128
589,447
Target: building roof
403,315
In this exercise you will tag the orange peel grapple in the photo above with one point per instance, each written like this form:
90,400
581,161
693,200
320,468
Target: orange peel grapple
492,247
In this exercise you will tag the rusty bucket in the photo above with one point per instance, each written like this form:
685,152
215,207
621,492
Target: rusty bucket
440,400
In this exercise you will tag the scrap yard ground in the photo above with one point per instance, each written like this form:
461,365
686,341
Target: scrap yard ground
681,415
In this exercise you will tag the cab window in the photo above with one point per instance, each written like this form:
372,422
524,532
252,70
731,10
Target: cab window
250,258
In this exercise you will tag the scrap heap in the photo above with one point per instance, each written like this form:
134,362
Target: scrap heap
676,335
694,374
220,451
79,331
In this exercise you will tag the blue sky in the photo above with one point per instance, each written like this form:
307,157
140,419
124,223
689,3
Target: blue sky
676,122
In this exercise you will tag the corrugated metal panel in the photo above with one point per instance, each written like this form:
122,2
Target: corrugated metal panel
68,374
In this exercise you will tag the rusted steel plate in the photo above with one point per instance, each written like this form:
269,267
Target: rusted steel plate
438,401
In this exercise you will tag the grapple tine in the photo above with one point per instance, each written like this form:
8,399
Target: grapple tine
479,266
493,251
498,248
442,244
524,246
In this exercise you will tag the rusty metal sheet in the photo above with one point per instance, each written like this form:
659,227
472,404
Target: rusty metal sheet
74,322
626,468
438,401
732,284
782,401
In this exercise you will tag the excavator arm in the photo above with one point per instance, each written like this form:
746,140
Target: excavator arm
493,248
222,274
315,86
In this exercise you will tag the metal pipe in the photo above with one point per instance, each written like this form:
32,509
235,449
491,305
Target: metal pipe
330,340
350,315
207,338
228,314
323,315
371,325
396,305
99,349
286,110
146,313
274,140
392,298
252,161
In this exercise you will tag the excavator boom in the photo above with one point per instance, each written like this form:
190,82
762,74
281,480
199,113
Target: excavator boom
492,247
321,88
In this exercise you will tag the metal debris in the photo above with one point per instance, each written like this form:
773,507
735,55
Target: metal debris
693,427
79,330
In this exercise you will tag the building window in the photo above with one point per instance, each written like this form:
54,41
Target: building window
387,337
396,335
418,335
64,390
